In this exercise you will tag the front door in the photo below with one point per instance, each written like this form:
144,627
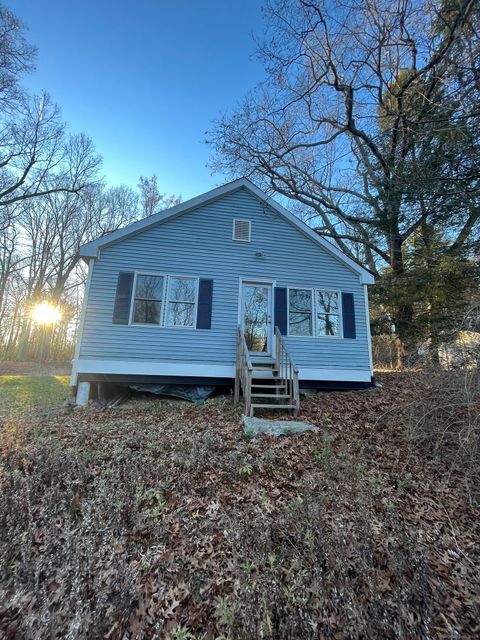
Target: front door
256,310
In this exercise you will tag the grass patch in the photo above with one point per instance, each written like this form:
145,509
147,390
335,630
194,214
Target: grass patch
24,393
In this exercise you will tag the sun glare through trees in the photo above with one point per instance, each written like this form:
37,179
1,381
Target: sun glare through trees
46,314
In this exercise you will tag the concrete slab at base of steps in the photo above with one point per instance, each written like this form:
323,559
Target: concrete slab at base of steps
259,426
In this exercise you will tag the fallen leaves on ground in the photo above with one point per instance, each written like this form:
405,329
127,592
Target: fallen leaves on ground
143,522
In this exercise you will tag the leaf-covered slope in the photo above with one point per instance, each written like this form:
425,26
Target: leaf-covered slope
162,520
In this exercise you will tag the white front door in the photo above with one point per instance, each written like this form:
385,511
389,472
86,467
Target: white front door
256,317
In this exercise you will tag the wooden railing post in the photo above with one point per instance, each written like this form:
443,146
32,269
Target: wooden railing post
296,392
247,393
243,372
287,371
277,349
236,394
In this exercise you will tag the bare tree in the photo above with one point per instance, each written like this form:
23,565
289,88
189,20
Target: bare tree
11,262
41,261
33,145
77,219
151,200
51,202
362,123
56,226
37,159
17,57
36,233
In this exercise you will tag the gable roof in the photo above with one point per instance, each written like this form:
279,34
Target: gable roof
92,249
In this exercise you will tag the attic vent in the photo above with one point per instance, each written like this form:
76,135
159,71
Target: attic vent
241,230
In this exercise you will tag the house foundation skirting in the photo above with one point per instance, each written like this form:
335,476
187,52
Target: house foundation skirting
97,370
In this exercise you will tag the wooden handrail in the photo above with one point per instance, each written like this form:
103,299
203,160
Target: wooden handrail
287,369
245,352
285,348
243,371
284,370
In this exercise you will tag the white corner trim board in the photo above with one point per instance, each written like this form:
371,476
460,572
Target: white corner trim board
92,249
83,313
369,332
188,369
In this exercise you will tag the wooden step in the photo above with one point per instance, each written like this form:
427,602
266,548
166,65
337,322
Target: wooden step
268,386
264,373
273,406
263,362
271,395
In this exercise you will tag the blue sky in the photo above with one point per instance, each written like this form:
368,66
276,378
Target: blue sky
145,78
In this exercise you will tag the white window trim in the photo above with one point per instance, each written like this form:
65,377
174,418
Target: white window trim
249,230
164,302
314,315
195,302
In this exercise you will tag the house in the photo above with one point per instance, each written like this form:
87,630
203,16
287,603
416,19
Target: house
228,285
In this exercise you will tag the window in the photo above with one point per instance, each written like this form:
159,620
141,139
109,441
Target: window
182,293
313,312
327,313
241,230
300,312
147,306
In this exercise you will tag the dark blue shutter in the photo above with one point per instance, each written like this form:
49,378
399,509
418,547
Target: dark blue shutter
123,297
280,310
204,309
348,313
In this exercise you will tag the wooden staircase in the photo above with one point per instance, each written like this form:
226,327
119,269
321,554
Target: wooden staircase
267,383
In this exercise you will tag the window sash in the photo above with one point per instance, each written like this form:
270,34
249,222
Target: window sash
178,311
330,321
143,306
329,317
317,314
297,310
172,298
187,307
146,309
328,302
302,320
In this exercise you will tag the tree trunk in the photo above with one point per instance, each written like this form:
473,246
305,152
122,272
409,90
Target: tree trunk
400,353
403,310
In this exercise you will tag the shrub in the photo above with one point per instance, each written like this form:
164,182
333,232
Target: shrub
445,417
